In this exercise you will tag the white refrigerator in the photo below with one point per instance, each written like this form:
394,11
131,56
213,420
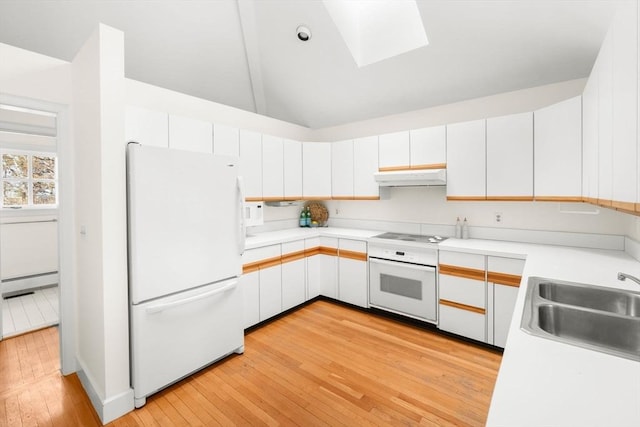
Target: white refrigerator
186,238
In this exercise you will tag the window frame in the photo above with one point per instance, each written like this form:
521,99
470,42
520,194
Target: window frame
30,180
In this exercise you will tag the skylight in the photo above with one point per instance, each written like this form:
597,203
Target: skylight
378,29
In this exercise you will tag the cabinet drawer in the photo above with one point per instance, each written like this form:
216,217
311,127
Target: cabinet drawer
505,271
463,260
462,322
465,291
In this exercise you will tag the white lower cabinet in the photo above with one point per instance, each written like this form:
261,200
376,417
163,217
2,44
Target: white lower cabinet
262,268
250,285
293,274
314,281
462,294
352,272
328,267
478,294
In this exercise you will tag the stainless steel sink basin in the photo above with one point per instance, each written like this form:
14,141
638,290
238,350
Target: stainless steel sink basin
593,317
596,297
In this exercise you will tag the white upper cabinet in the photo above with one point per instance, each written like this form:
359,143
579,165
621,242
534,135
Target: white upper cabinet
316,170
428,148
226,140
605,121
625,106
342,164
365,156
190,134
251,164
510,157
147,127
558,151
292,169
394,151
466,166
272,168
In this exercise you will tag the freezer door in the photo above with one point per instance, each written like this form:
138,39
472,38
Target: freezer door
185,220
175,336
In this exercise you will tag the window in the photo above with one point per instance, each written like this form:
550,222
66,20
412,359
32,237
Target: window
29,179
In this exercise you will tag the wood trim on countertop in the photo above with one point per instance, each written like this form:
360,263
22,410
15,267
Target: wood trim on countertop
358,256
326,250
253,199
366,198
504,279
312,251
625,206
467,273
463,306
342,197
293,256
264,263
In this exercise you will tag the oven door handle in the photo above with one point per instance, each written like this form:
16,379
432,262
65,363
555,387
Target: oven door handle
401,264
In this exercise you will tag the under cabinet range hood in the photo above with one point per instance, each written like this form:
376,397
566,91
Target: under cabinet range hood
412,178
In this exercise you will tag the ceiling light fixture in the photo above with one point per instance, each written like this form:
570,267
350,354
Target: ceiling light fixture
304,33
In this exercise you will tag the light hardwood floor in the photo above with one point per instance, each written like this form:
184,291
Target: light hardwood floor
324,364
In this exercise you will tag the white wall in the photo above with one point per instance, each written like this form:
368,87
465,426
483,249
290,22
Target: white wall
102,297
490,106
159,99
428,205
29,74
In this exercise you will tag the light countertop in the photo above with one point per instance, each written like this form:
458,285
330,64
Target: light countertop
542,382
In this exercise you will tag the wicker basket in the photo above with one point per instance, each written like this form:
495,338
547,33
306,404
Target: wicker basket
319,213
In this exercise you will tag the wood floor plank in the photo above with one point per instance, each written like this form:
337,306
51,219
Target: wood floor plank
322,365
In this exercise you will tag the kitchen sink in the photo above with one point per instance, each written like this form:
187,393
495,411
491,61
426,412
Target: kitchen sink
596,297
592,317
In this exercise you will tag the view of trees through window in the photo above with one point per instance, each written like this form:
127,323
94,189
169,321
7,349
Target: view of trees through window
28,179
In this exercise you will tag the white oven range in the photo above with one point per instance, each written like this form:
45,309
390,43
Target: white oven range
403,275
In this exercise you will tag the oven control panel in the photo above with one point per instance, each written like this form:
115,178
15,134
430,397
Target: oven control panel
412,255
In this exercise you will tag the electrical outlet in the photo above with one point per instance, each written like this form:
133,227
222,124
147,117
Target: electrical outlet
498,217
337,211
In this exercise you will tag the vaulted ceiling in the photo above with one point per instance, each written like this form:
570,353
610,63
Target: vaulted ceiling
245,53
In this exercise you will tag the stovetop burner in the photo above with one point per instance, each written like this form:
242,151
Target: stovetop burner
411,237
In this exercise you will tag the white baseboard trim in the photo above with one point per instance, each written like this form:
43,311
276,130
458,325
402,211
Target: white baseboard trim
107,409
33,282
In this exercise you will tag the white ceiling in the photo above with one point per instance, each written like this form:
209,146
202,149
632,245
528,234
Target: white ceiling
244,53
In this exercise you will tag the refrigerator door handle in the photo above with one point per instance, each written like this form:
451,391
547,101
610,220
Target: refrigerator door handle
165,306
242,225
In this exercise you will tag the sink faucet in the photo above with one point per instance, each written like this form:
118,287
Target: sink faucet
623,276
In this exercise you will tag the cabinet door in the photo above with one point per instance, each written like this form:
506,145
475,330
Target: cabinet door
365,164
251,164
429,148
272,168
250,284
226,140
353,272
625,105
590,138
329,267
292,169
316,170
293,274
558,151
342,160
190,134
147,127
510,157
270,291
504,276
394,151
466,156
605,121
314,272
504,301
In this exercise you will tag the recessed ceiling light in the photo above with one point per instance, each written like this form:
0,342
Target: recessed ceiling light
304,33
